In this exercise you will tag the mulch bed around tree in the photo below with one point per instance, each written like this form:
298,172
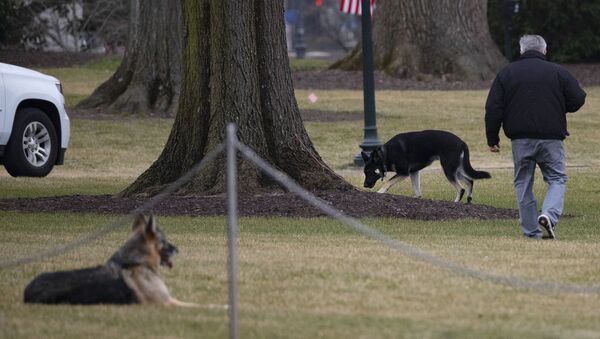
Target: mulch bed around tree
353,80
586,74
354,203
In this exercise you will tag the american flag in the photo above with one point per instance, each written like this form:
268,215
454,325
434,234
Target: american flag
354,6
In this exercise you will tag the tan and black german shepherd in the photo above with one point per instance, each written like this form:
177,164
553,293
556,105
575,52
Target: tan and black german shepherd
130,276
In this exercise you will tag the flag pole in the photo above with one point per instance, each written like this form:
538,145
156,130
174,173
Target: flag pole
371,141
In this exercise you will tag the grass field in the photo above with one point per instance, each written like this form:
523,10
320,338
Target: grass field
306,278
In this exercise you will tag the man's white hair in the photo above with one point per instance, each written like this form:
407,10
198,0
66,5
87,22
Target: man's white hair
532,43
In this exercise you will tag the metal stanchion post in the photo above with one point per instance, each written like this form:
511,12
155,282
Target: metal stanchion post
232,226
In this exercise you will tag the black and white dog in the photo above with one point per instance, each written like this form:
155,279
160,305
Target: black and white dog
408,153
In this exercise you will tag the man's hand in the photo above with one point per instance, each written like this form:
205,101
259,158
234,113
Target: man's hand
495,149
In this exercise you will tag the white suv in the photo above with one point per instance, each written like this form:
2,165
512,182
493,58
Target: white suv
34,126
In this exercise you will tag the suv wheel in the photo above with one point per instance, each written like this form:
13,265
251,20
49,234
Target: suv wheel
33,145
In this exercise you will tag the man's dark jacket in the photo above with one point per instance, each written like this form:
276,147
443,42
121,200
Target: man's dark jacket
530,98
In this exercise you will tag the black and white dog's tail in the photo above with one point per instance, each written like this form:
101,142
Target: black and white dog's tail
468,169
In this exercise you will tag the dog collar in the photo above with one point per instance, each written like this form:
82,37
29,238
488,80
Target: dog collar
383,159
382,174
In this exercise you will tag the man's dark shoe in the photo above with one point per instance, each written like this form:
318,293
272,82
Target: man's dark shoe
544,221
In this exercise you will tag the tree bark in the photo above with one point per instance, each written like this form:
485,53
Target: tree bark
149,77
442,38
236,69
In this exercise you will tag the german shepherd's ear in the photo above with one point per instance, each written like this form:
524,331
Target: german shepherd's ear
151,228
139,222
365,157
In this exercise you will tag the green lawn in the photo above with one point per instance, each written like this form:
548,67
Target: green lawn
306,278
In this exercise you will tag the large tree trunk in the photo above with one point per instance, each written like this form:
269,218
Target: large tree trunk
443,38
148,79
236,69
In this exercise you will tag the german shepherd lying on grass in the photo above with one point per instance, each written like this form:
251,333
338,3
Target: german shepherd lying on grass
408,153
130,276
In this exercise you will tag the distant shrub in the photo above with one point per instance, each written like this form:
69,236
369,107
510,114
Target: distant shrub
7,21
571,27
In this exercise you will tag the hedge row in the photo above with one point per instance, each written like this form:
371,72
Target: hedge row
571,27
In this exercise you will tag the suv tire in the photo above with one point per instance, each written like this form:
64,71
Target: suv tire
33,145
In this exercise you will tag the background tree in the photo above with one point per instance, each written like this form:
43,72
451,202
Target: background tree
7,10
16,18
148,79
58,25
447,38
571,27
106,23
236,69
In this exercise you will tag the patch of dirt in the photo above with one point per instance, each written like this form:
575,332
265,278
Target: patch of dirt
353,80
354,203
586,74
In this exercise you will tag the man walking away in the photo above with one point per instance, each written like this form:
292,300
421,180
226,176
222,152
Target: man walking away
529,99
